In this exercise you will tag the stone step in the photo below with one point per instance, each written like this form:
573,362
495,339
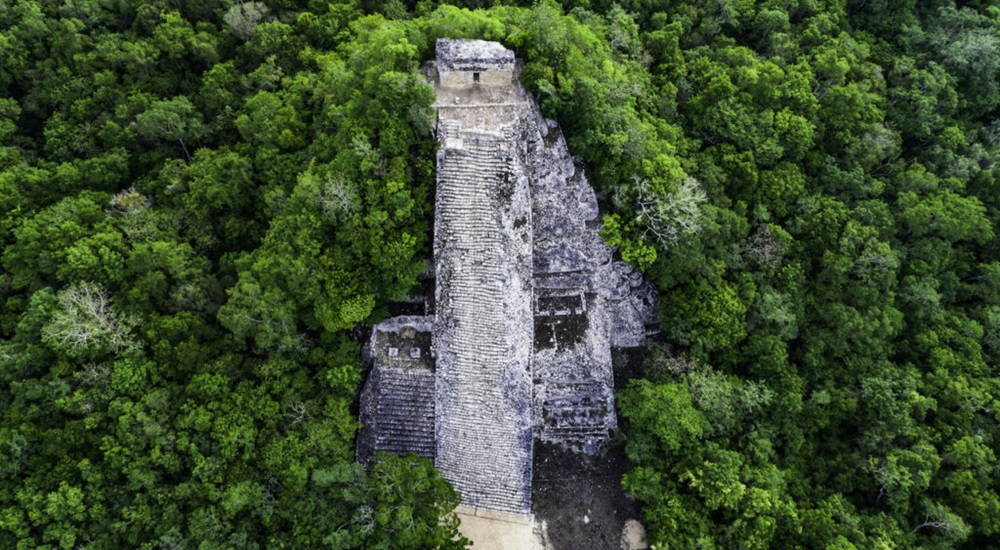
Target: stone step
422,446
408,439
413,427
394,415
404,393
403,396
420,382
426,451
488,349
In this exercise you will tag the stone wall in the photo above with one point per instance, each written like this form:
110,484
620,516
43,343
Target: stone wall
473,63
490,77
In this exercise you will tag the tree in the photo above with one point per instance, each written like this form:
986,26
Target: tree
716,320
243,17
965,42
86,323
668,217
43,239
412,506
171,120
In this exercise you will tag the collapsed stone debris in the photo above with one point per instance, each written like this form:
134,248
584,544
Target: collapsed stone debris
528,300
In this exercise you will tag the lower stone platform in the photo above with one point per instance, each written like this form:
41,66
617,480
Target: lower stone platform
490,530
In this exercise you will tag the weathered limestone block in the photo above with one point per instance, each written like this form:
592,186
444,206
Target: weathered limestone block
474,62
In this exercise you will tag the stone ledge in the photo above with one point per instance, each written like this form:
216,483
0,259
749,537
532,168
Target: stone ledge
518,519
481,105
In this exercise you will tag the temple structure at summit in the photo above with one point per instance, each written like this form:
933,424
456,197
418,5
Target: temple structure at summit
528,300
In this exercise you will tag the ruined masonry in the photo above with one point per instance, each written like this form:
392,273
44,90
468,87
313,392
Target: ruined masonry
528,301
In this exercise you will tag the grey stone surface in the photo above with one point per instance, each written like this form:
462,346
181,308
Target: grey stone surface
472,55
574,399
528,299
398,401
483,325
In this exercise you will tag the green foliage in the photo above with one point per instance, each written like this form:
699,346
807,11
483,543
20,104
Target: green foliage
171,120
202,205
86,324
831,284
197,204
411,506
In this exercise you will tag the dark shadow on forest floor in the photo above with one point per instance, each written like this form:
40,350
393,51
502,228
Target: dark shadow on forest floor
580,499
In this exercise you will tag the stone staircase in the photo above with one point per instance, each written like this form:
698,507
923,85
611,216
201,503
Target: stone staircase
484,441
406,412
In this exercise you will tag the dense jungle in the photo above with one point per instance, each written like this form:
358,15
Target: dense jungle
205,204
